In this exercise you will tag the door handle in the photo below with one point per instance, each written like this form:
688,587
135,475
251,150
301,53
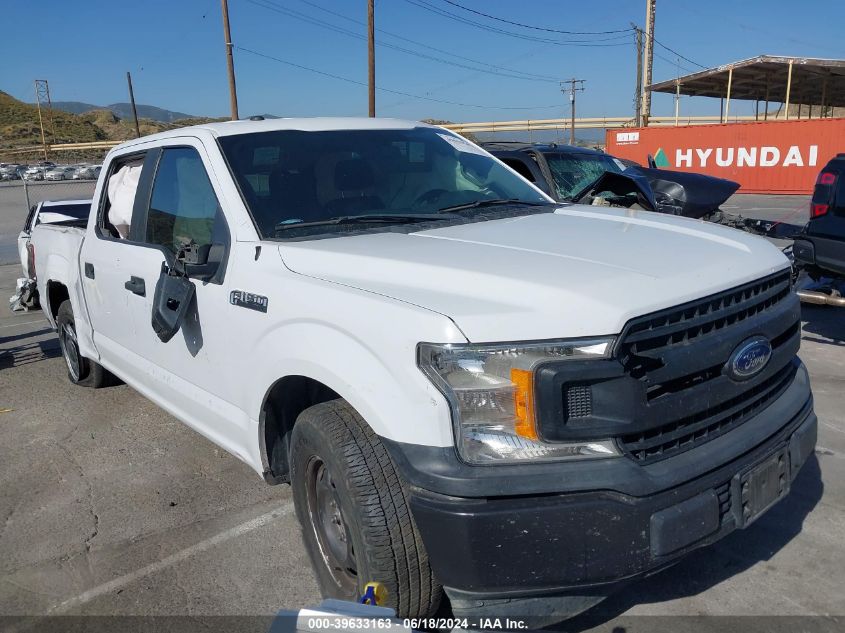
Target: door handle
89,270
136,285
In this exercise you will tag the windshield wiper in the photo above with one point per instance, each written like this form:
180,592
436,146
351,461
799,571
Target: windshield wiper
490,203
367,218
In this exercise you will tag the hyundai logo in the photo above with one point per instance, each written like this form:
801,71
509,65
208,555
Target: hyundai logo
749,358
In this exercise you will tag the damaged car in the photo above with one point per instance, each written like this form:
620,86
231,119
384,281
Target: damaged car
567,173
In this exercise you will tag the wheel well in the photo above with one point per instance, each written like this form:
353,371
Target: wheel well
56,294
286,399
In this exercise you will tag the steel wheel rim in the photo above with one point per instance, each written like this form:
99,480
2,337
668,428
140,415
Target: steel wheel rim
330,527
70,350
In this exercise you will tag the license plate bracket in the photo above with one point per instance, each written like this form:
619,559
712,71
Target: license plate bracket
760,487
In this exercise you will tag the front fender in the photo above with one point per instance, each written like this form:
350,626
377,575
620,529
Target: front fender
380,381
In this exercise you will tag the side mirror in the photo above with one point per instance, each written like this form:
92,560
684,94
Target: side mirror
200,262
173,296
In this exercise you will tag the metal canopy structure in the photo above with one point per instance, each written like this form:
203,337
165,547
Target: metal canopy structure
768,78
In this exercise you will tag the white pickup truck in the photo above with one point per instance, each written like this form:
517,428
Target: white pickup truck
470,387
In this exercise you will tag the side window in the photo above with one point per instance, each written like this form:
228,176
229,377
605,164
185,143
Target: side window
183,206
519,167
118,201
27,227
839,195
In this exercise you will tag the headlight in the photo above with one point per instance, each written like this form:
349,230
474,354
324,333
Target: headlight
490,389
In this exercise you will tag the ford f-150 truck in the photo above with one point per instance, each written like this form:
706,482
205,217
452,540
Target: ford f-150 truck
471,388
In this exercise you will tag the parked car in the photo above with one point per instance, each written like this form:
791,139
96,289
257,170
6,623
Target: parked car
9,171
470,387
566,173
59,212
87,172
819,249
33,173
60,173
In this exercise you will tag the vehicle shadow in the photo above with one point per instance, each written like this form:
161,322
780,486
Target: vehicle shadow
27,351
823,324
711,565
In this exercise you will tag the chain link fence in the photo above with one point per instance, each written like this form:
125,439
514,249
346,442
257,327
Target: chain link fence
39,191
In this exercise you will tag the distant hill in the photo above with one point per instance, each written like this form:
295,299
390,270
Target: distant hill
124,110
19,125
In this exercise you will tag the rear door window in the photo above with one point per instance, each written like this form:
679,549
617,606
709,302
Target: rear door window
27,227
839,195
519,167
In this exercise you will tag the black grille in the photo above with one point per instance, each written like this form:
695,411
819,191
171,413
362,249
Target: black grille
707,316
677,357
687,432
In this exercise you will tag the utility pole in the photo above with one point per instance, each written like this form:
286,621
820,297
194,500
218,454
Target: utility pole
649,58
230,62
638,93
572,90
678,92
132,102
42,100
371,56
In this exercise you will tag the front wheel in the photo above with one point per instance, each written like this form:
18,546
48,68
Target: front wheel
353,508
80,370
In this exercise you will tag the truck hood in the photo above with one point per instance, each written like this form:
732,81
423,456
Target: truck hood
579,271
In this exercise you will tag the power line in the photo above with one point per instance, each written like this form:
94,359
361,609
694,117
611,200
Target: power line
266,4
389,90
674,63
423,45
459,81
535,28
674,52
422,4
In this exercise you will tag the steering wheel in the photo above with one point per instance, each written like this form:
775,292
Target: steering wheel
429,196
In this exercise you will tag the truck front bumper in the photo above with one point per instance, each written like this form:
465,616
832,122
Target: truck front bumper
507,550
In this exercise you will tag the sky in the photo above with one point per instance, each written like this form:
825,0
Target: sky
175,51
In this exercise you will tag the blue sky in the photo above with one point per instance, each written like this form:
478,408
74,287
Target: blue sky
174,49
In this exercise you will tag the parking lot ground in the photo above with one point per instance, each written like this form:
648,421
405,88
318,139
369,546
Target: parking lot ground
789,209
109,506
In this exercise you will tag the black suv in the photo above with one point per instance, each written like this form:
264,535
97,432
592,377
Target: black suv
820,247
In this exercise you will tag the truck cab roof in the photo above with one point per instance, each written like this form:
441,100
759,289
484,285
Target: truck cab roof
305,124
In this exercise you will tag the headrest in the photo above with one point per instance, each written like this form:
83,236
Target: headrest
352,175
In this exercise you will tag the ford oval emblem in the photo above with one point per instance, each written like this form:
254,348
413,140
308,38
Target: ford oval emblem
749,358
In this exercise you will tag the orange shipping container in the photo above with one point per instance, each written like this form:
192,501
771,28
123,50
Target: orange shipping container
763,157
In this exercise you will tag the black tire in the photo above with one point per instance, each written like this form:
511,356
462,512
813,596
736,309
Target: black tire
81,370
371,505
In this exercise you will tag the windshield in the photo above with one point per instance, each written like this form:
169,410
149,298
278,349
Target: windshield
573,172
289,177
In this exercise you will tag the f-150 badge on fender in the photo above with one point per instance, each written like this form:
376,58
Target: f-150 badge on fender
248,300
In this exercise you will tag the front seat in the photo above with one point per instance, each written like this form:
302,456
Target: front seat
354,181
